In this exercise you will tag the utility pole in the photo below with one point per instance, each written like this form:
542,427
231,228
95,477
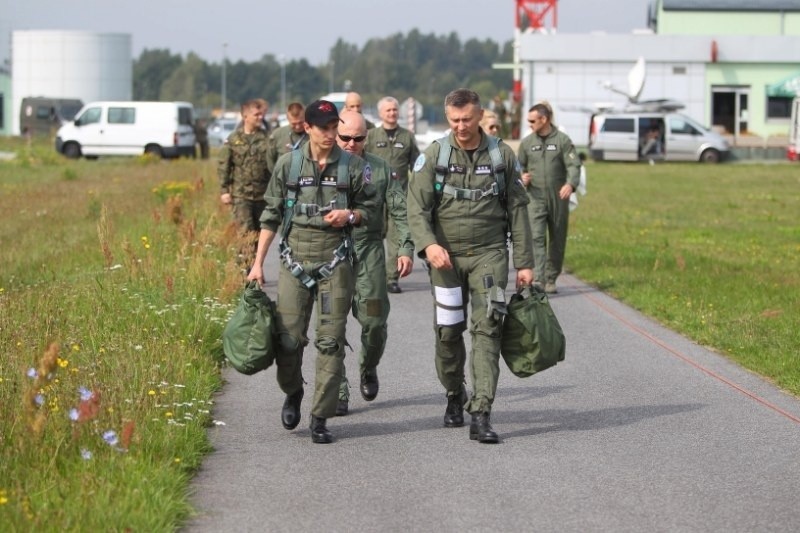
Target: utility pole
224,76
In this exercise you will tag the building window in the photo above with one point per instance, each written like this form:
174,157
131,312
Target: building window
679,70
779,107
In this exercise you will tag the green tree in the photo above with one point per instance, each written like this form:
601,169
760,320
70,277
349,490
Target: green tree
150,71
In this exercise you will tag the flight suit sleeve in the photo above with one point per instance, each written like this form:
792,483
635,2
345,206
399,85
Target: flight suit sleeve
397,207
272,152
572,163
225,169
517,208
421,199
413,155
272,216
363,194
522,155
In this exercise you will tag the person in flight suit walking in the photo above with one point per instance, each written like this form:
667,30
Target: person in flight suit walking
371,301
463,197
398,147
316,195
551,171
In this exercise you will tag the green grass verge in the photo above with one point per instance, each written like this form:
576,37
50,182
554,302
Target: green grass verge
710,251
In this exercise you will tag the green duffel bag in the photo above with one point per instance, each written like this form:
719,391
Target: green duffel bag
248,336
532,337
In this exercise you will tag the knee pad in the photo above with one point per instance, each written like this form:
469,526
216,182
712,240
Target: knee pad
288,343
327,345
449,333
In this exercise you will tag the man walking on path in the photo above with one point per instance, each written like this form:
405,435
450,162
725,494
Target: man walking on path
398,147
371,301
551,171
463,198
316,195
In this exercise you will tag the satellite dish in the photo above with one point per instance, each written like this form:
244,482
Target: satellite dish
636,80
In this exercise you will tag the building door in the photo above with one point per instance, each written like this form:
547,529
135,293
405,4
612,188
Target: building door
730,109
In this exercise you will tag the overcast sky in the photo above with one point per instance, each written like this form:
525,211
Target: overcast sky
297,28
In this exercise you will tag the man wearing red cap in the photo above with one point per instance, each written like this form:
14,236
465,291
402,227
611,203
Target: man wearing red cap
316,195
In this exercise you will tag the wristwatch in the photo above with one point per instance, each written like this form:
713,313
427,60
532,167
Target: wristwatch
351,218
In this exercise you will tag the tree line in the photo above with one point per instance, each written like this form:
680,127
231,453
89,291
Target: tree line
423,66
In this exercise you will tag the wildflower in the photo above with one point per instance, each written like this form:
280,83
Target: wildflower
110,437
31,373
3,497
73,414
151,392
168,414
86,454
76,348
138,347
63,363
85,393
39,399
177,460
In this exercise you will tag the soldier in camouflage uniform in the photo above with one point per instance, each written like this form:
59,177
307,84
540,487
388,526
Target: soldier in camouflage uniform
551,171
289,137
243,173
460,207
371,301
398,146
316,250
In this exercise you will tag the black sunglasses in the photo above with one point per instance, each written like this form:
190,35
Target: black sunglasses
347,138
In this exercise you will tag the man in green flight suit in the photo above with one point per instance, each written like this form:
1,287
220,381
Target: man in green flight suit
398,147
316,195
289,137
243,173
371,301
460,206
551,171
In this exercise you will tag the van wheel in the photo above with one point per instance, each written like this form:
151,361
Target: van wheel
709,155
154,150
72,150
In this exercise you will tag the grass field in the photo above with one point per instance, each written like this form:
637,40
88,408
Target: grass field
117,277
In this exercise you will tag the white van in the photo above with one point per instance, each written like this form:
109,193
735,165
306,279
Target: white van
163,129
793,150
656,135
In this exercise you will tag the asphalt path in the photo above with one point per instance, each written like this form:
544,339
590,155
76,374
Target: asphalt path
639,429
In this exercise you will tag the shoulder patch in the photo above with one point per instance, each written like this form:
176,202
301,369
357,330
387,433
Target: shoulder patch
367,173
517,166
419,163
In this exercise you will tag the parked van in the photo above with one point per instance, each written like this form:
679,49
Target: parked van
163,129
793,150
653,135
43,116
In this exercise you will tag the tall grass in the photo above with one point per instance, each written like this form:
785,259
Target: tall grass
116,280
710,251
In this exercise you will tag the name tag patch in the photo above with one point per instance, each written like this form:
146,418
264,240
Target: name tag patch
483,169
305,181
399,145
536,148
552,147
381,144
457,169
328,181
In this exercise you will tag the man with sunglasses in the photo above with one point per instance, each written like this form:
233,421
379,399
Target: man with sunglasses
371,300
316,195
551,171
398,147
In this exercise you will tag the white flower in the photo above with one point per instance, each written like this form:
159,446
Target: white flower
86,454
73,414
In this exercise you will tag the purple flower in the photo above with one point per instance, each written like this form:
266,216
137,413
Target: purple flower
31,373
39,399
85,393
86,454
110,437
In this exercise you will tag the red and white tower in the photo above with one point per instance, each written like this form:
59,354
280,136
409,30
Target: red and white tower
533,15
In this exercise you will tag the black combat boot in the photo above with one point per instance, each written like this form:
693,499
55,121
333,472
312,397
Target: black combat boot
342,407
290,414
481,430
319,433
369,384
454,414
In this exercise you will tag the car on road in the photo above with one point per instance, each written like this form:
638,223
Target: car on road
219,129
